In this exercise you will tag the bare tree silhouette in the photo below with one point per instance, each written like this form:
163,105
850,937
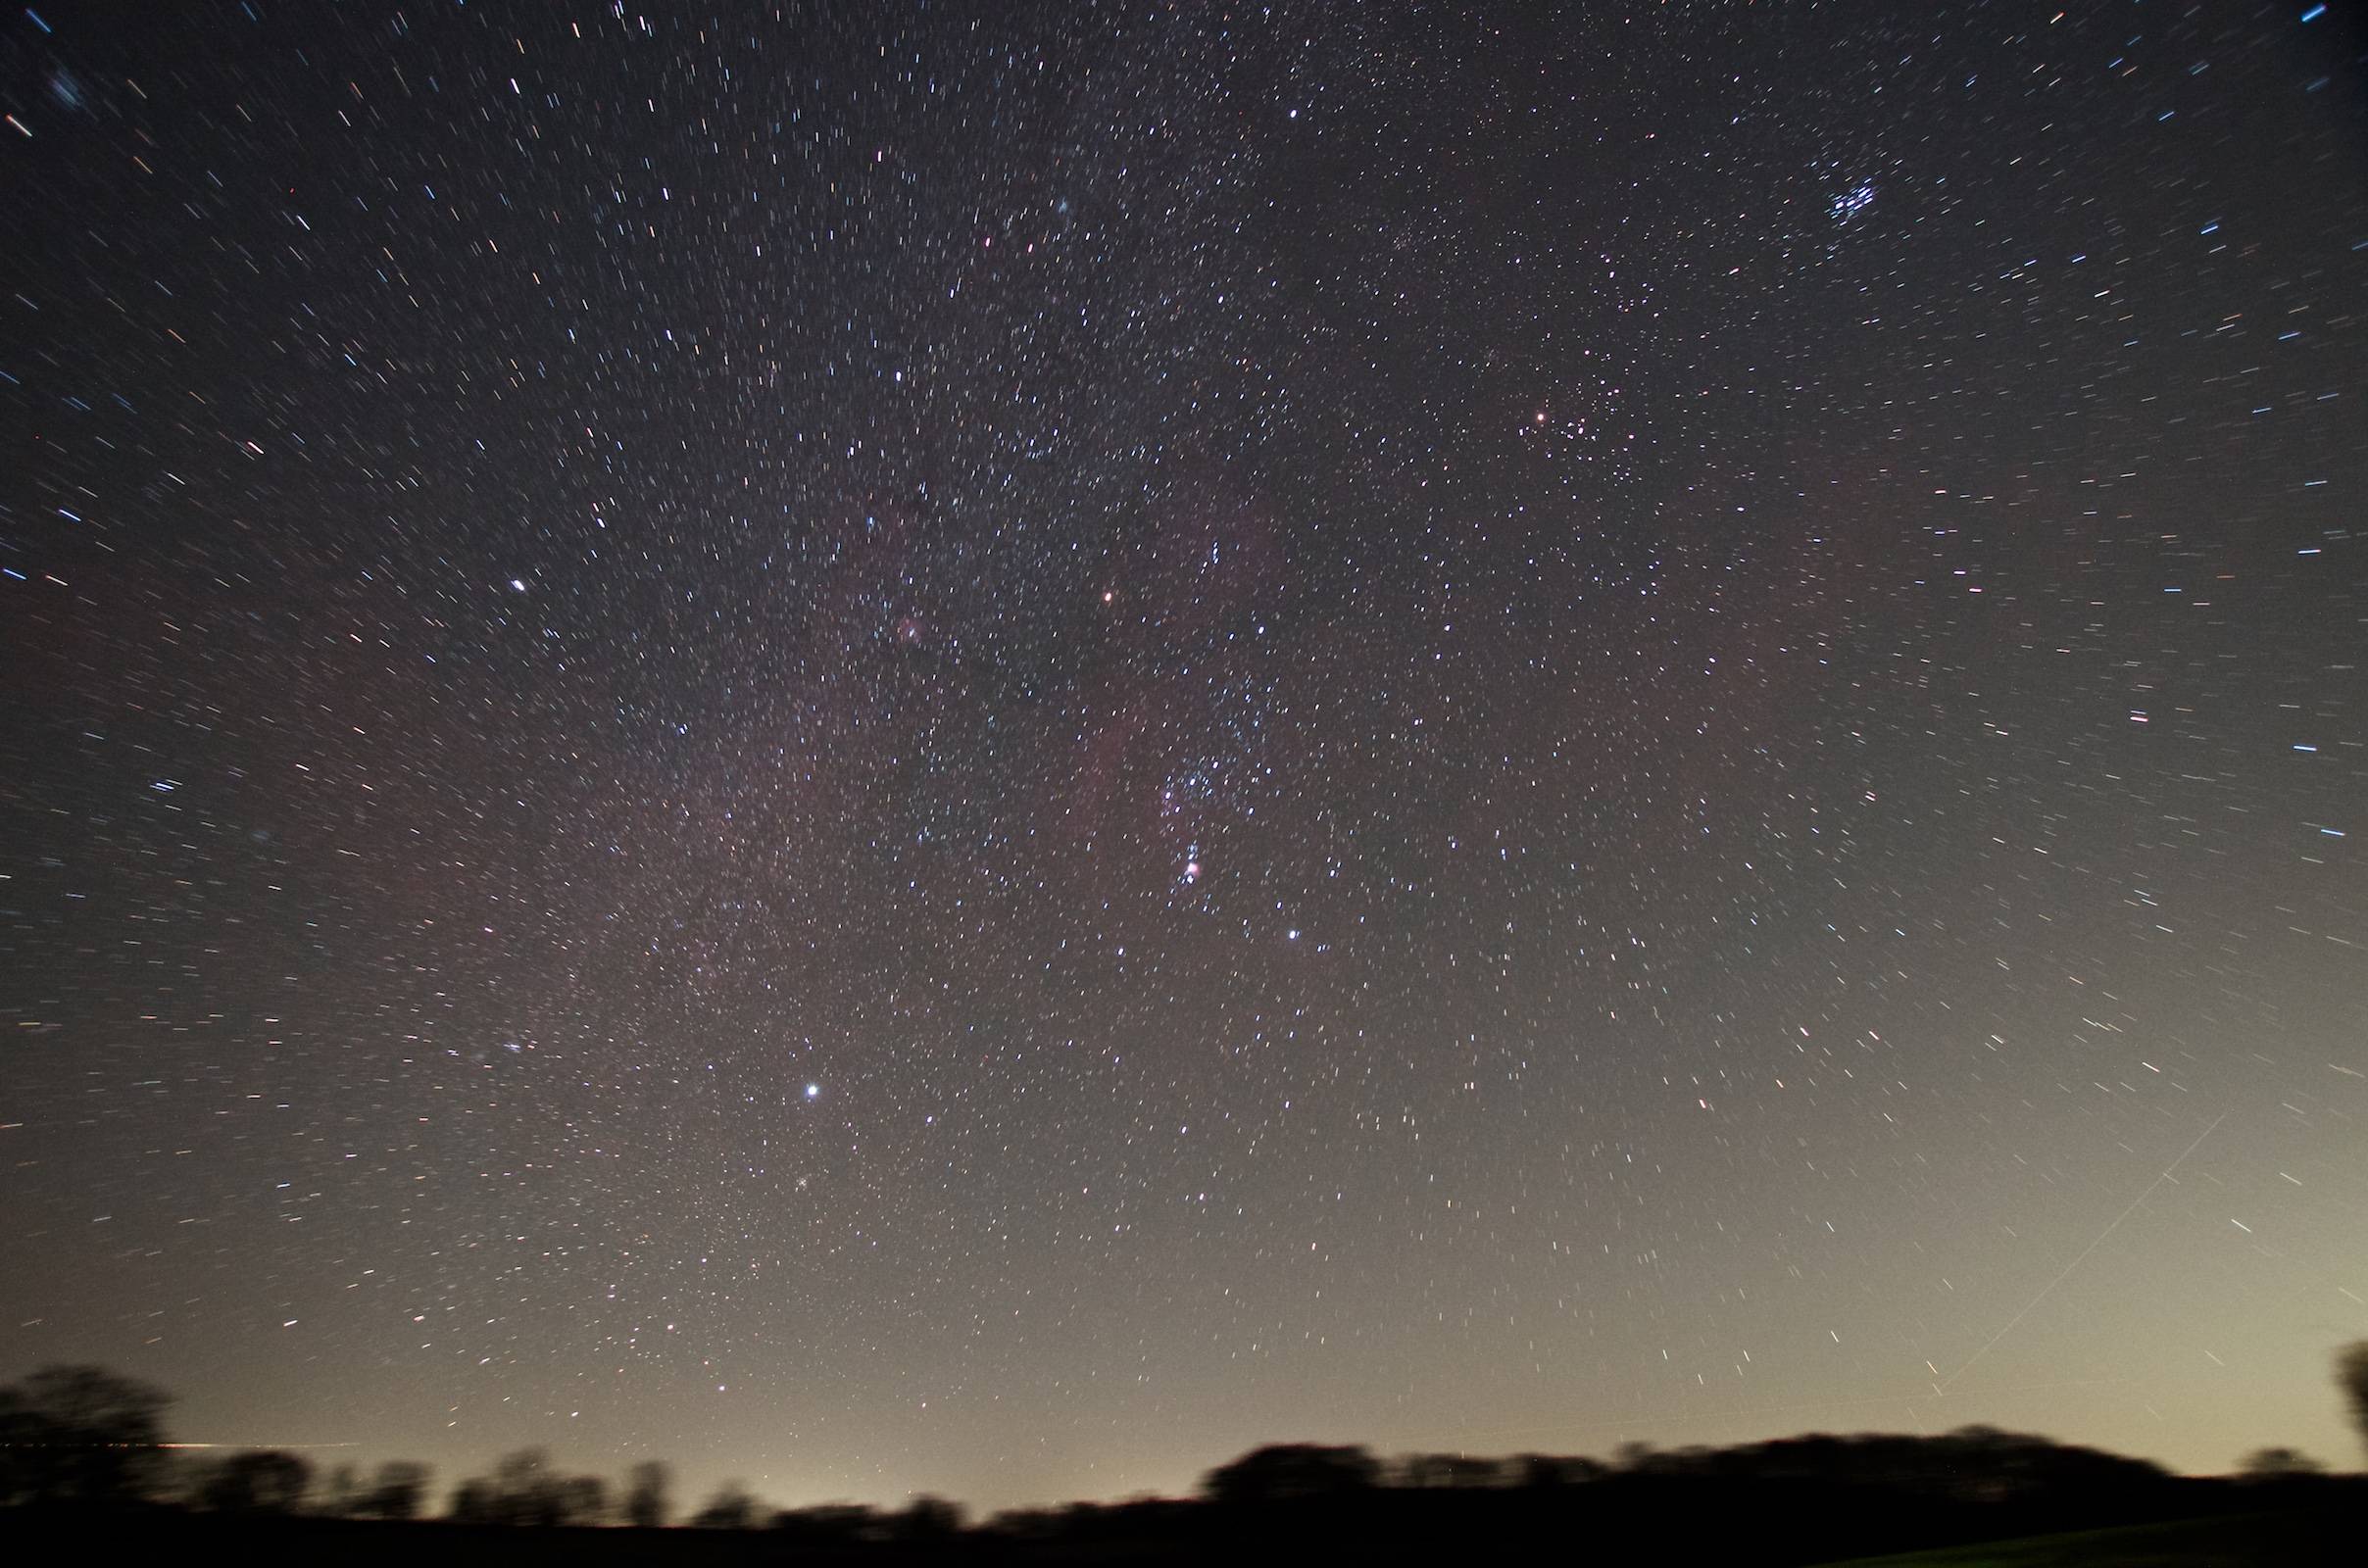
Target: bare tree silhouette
79,1434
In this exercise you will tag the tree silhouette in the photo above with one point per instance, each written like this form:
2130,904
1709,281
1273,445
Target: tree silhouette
523,1490
583,1500
79,1434
730,1508
258,1480
1425,1470
473,1503
1556,1470
926,1520
2351,1376
396,1491
341,1494
827,1524
2279,1464
647,1488
1286,1470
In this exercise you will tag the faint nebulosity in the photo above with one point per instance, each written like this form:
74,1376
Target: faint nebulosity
992,747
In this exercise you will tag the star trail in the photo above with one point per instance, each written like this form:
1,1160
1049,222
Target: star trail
990,748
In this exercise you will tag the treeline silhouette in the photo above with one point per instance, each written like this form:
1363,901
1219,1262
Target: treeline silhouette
85,1449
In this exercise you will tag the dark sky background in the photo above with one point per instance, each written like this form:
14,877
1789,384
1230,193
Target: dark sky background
992,748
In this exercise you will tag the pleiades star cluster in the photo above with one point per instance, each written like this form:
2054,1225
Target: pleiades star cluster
993,747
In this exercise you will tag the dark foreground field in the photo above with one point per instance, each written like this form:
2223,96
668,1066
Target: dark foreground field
2198,1523
2236,1541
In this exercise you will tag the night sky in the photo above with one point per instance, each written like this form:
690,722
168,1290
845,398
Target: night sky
992,748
